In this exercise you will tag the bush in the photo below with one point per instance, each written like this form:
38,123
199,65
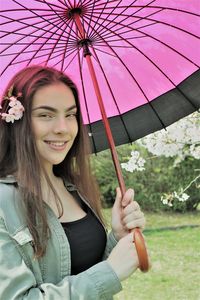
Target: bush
159,177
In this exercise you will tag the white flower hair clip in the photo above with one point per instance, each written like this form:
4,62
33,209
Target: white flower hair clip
14,110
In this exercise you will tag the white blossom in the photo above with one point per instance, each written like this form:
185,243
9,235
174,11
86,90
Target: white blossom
195,151
180,139
8,118
135,162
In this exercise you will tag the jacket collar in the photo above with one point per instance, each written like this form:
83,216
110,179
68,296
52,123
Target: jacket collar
8,179
11,179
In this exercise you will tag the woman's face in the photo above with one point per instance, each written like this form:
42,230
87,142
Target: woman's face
54,122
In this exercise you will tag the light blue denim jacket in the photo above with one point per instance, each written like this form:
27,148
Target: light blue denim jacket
24,278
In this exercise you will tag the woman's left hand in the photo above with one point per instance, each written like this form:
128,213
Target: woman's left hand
126,214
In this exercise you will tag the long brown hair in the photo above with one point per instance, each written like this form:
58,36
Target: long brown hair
19,154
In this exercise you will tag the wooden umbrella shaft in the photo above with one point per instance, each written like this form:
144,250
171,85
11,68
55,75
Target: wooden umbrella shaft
138,238
106,125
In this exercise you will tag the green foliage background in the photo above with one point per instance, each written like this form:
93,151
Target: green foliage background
159,177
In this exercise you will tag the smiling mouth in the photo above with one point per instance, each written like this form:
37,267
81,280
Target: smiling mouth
56,145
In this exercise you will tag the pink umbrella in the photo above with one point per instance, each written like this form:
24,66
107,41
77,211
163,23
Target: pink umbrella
142,57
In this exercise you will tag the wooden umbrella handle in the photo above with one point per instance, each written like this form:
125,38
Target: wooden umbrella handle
141,250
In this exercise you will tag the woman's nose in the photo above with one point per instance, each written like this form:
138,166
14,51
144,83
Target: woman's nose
60,125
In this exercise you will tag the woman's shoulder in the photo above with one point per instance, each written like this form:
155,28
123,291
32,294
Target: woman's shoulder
7,185
9,198
10,205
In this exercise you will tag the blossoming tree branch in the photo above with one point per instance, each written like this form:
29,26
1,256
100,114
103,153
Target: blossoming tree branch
179,140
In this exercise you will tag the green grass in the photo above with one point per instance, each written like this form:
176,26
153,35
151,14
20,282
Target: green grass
175,258
161,219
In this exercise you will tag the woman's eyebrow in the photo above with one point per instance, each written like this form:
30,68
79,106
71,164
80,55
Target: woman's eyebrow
50,108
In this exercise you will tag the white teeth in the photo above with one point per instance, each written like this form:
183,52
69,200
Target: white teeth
56,143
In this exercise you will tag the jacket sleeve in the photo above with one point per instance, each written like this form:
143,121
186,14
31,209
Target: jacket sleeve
19,283
111,243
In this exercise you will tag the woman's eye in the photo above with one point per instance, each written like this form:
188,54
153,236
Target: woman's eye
46,116
71,116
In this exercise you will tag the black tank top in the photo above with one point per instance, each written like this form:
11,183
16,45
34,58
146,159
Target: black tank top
87,240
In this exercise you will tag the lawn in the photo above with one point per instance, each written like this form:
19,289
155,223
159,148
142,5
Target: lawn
174,247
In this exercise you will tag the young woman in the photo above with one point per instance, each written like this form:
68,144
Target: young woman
53,243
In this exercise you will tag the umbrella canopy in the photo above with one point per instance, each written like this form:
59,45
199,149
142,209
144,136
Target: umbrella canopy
146,55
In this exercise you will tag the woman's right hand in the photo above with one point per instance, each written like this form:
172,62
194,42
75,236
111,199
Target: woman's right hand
123,258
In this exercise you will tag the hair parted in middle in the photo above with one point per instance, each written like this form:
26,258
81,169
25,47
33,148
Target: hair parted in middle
19,154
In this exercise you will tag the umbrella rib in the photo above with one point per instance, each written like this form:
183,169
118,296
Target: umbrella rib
39,49
76,53
11,62
24,9
104,52
167,24
65,49
64,3
52,50
25,18
161,7
48,12
80,2
33,51
87,33
17,54
155,22
104,30
82,19
111,91
65,19
71,5
102,11
126,17
174,50
33,12
127,31
33,25
101,44
99,15
69,61
53,4
85,101
26,43
27,25
102,3
112,38
87,3
26,52
44,55
108,36
111,35
148,35
61,60
69,53
147,6
117,15
25,35
17,42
